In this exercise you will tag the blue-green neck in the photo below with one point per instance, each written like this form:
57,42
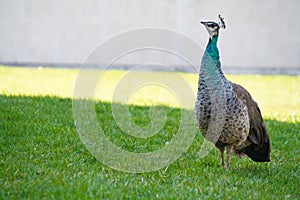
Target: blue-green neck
210,64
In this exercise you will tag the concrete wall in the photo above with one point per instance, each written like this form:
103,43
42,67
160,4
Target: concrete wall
259,32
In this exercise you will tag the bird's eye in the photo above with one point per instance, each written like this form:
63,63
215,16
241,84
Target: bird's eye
211,25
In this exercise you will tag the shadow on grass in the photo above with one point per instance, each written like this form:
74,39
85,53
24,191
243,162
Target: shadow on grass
40,146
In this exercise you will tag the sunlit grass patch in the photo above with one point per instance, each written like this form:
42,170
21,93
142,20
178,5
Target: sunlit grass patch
276,95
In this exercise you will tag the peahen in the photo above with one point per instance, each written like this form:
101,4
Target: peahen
225,112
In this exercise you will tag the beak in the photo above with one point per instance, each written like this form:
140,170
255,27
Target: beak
204,23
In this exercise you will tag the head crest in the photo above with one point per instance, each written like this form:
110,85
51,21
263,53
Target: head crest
222,23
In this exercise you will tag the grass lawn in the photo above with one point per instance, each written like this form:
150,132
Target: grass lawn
42,155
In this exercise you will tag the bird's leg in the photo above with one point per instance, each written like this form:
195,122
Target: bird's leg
228,150
222,156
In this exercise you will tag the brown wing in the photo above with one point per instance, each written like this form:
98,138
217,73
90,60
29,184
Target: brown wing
259,150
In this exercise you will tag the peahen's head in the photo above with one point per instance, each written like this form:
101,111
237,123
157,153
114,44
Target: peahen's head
213,27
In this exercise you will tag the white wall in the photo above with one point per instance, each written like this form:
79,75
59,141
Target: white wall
259,32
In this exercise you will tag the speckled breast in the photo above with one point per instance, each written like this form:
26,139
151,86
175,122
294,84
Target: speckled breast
235,122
